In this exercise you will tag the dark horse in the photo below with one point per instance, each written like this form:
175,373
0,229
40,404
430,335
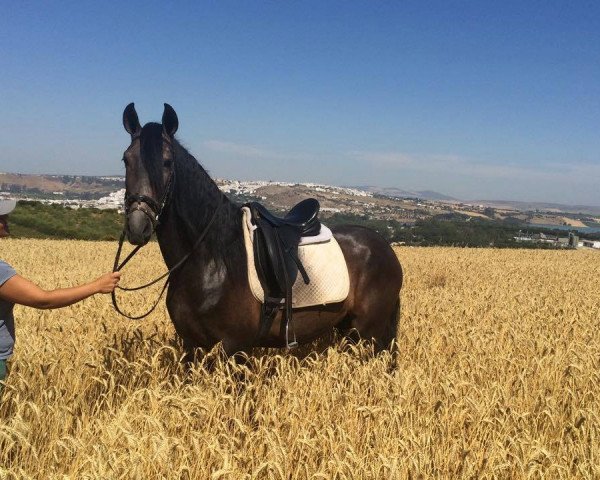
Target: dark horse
209,298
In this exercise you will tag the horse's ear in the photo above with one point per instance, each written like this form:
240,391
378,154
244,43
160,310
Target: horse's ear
170,122
130,120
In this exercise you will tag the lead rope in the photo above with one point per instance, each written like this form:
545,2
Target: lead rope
117,267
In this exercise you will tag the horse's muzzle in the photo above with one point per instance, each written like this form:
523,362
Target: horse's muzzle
139,228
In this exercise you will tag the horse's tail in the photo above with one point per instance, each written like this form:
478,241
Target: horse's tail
393,329
395,321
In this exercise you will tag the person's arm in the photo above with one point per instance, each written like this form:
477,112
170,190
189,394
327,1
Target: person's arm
24,292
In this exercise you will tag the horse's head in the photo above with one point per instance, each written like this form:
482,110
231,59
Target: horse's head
149,171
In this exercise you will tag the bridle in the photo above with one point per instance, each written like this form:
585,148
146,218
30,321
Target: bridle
154,211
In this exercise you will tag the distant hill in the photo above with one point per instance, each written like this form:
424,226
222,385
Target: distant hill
541,206
59,186
400,193
510,204
431,195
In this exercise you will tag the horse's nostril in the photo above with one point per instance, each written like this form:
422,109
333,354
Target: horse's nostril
148,230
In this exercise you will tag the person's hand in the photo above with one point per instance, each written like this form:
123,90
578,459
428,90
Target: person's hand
107,282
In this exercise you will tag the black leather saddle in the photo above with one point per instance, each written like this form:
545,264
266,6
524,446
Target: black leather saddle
276,242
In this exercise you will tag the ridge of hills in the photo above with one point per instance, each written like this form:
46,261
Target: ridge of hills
508,204
82,187
401,193
384,203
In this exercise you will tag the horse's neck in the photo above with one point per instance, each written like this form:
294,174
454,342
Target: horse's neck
182,229
173,243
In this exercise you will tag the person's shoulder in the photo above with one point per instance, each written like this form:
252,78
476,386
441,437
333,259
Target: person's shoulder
6,271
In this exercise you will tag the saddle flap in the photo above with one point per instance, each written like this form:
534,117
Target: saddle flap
274,257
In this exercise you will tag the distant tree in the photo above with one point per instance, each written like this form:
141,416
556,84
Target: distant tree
489,212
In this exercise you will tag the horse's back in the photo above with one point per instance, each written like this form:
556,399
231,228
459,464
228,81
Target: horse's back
367,248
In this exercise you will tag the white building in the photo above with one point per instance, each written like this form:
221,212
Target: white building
590,243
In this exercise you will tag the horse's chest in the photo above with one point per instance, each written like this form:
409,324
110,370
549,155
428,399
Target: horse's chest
203,291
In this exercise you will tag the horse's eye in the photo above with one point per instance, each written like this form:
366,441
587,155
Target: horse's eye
168,163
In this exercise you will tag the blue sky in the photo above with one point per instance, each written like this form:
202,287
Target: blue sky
480,100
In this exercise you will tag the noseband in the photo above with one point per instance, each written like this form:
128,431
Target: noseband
151,209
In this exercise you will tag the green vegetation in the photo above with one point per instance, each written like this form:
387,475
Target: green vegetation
469,232
444,230
36,220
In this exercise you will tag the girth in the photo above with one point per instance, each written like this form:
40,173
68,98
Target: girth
276,242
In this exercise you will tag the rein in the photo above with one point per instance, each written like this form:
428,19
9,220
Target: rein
155,219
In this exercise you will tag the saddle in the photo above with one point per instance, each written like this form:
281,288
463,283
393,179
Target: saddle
276,241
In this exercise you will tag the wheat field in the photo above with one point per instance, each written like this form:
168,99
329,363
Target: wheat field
497,376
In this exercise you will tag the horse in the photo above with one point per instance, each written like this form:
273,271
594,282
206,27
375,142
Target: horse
209,299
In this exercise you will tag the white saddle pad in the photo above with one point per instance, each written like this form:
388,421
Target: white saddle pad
324,263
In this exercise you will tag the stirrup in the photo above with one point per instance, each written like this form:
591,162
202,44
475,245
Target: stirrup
293,344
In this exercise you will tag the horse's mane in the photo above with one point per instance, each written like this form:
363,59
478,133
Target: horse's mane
195,197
